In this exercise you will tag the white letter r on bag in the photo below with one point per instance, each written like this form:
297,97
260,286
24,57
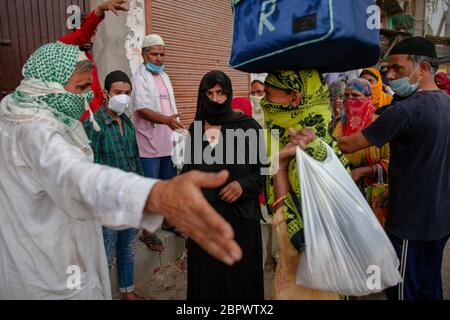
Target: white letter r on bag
263,18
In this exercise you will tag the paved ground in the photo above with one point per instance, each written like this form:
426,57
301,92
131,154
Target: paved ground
170,282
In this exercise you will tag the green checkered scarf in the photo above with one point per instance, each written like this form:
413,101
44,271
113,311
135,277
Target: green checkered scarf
41,94
55,63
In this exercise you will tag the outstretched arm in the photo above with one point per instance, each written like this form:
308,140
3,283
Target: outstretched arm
353,143
182,204
91,22
281,181
120,200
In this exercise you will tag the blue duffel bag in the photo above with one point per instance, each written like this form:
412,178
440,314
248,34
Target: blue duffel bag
328,35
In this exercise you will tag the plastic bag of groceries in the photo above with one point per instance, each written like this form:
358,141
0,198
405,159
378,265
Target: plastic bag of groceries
347,250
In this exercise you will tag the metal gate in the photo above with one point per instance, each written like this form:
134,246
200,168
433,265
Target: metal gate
198,36
25,25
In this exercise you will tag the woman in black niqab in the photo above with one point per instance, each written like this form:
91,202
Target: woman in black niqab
208,278
212,112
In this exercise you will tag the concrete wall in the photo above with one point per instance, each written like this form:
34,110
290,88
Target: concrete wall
436,17
420,18
117,44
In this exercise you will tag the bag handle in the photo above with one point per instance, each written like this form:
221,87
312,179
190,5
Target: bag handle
380,173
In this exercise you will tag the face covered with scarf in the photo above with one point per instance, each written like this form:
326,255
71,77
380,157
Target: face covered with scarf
379,97
359,109
215,95
443,82
54,90
297,99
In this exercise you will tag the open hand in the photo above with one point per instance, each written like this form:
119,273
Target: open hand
361,172
174,123
112,5
181,201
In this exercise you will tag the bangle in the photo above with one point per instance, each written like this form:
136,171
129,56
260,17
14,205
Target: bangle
276,203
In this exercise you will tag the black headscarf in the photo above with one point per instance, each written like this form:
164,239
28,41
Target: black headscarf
212,112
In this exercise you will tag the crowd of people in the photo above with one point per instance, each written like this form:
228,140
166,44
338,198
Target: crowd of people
80,177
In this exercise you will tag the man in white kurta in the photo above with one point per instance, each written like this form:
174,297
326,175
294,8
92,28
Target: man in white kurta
54,199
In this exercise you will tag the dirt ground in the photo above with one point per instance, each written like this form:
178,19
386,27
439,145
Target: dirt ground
170,283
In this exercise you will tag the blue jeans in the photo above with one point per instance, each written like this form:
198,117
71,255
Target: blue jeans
121,243
159,168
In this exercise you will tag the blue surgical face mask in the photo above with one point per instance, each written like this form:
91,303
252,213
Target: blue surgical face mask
402,87
153,68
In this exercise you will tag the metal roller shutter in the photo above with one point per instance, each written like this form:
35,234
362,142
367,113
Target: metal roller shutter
25,25
198,39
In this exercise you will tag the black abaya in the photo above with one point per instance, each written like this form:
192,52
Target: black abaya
208,278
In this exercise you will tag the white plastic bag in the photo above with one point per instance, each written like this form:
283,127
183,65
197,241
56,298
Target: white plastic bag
179,142
347,250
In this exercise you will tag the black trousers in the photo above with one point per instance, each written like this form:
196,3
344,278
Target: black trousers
420,268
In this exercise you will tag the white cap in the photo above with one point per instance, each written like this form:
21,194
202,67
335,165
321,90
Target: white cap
261,77
152,40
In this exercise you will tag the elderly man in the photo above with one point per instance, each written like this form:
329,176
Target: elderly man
155,117
418,131
54,199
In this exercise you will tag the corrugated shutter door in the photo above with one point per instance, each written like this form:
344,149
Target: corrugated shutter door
198,36
24,26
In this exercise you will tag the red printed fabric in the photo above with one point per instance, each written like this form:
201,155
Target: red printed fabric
359,115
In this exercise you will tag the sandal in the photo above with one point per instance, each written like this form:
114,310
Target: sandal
152,242
173,230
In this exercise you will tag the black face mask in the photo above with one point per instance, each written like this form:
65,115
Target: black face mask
215,108
215,111
212,112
